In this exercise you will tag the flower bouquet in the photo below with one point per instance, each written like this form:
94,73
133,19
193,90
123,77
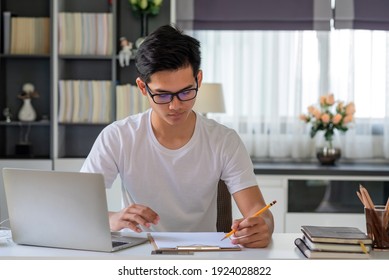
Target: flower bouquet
329,116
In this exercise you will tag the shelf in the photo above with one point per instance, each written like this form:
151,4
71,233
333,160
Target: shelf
25,56
86,57
22,157
83,124
19,123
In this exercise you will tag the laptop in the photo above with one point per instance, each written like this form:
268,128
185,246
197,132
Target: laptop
62,210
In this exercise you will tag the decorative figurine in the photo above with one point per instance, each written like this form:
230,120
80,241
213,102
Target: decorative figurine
27,112
125,53
7,114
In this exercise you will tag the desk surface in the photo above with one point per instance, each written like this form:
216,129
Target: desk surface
281,247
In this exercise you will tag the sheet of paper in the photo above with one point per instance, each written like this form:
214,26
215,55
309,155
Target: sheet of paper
174,239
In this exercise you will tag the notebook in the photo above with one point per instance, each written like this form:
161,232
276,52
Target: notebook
62,210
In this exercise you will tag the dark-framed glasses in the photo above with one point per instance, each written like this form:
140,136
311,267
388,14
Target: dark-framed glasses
165,98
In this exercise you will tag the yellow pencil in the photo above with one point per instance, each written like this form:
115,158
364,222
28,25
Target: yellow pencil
255,215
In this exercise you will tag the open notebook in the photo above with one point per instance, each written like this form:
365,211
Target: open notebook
61,209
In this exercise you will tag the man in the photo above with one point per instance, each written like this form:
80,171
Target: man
170,158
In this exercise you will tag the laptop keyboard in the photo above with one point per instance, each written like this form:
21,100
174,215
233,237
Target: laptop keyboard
118,243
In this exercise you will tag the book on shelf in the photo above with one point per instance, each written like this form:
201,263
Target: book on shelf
76,102
339,235
319,254
77,48
6,31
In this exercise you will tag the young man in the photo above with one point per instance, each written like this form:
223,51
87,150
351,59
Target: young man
170,158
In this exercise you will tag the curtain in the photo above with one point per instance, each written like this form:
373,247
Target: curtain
270,77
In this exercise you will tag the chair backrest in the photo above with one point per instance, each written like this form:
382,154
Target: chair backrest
224,208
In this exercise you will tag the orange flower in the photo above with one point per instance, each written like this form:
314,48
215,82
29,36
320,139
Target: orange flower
336,119
330,100
317,113
311,109
325,118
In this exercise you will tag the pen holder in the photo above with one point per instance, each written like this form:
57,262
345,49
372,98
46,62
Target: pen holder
377,227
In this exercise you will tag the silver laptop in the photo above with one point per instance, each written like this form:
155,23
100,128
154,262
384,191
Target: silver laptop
61,209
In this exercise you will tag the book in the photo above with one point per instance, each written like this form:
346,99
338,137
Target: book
76,101
62,100
343,235
6,32
334,247
316,254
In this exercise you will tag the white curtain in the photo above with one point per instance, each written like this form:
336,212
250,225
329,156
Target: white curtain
270,77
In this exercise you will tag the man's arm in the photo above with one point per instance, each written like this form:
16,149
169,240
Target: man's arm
252,231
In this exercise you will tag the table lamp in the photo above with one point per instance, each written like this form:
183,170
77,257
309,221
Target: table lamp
209,99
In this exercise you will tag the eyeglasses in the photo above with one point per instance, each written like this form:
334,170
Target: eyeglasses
165,98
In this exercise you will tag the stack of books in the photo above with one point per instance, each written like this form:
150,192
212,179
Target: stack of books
323,242
85,33
25,35
85,101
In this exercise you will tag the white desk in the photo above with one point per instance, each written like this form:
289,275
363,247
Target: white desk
282,247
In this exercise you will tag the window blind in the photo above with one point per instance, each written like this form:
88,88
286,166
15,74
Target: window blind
253,14
362,14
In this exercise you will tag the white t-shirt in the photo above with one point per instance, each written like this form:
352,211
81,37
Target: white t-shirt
180,185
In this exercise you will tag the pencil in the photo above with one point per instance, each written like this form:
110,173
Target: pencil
255,215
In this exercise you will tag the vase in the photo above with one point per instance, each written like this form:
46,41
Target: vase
27,112
144,29
328,155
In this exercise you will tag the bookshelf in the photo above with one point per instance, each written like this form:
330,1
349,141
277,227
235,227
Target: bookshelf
59,144
79,64
70,59
23,61
73,139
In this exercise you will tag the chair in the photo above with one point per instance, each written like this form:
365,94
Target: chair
224,208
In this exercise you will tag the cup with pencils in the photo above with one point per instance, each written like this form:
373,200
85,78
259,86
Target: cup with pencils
377,220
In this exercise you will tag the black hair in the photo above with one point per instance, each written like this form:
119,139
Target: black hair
167,48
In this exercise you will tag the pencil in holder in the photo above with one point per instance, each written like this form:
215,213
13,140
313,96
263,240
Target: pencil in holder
377,227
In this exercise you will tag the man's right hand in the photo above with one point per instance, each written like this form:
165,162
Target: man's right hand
132,217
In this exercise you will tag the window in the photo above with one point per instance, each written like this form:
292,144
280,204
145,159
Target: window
270,77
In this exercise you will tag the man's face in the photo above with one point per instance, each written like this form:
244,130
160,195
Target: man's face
175,112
